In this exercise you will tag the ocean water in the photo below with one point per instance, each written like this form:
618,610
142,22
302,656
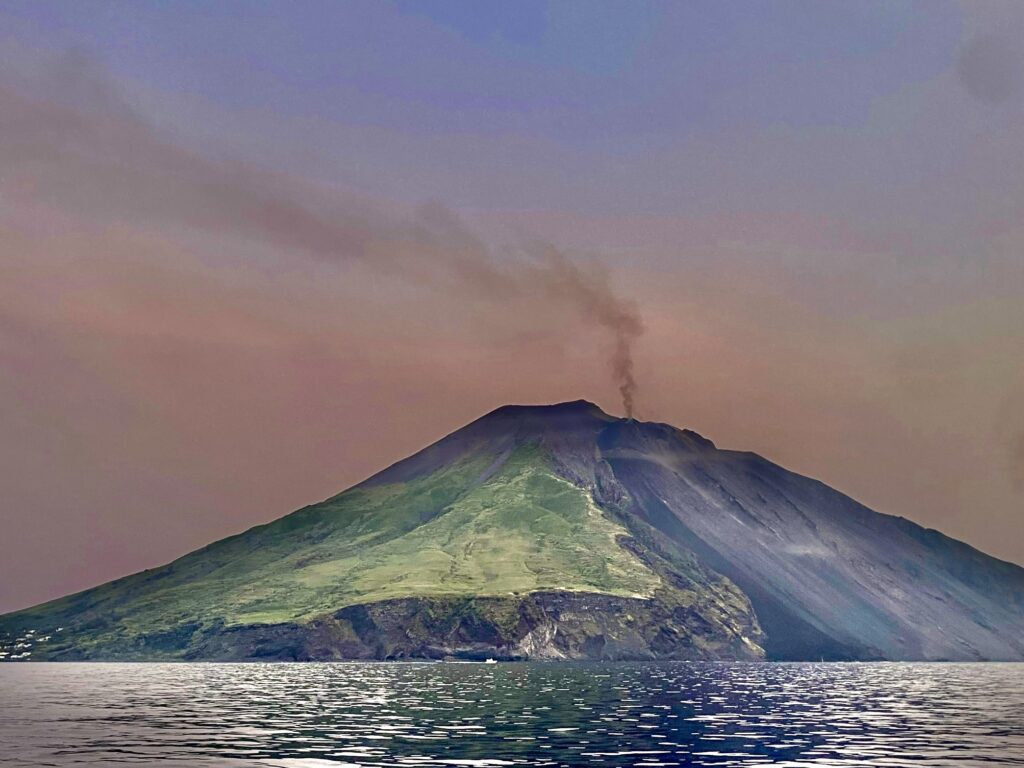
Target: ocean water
404,714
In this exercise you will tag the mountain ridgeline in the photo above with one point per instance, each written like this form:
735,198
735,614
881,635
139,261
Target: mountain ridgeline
556,532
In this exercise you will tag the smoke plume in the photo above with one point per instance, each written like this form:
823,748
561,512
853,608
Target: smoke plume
70,141
541,271
591,292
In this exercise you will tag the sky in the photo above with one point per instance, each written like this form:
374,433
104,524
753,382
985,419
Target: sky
253,252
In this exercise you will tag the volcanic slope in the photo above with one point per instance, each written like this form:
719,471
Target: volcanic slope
551,532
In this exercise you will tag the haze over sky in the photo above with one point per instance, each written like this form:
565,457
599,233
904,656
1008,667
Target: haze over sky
251,253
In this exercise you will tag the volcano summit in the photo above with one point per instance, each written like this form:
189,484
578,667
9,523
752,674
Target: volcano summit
557,532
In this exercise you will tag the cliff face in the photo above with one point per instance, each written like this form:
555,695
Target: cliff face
557,532
539,626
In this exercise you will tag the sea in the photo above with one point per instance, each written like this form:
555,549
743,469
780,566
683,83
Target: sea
330,715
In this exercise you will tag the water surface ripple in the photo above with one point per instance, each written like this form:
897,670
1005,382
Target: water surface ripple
657,714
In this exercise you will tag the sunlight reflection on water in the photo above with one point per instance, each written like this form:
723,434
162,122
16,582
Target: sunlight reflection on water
658,714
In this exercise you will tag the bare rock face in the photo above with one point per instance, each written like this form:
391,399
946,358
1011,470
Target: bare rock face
827,576
550,533
539,626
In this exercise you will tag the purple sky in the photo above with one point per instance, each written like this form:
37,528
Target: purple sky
252,252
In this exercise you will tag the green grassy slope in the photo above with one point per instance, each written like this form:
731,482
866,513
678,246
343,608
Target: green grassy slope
458,531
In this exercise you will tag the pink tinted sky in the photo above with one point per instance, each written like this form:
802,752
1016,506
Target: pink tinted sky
227,291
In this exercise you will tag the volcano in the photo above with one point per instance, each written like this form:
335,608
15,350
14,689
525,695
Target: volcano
557,532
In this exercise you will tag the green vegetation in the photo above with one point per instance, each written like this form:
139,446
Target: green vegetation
522,531
454,532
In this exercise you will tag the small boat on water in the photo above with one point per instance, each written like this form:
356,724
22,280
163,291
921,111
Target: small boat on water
490,661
